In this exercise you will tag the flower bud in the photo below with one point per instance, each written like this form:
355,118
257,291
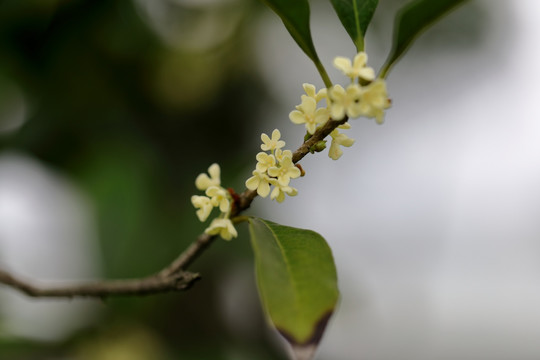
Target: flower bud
318,147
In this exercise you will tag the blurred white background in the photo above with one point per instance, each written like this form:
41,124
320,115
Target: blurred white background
433,217
43,215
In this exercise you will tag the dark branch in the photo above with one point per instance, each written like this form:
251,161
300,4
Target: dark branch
189,255
143,286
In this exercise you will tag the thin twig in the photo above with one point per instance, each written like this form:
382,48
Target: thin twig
188,255
173,277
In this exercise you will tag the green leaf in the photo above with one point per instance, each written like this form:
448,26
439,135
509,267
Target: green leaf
411,20
297,281
295,16
355,15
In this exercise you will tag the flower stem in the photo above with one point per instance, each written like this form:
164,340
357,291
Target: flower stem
323,73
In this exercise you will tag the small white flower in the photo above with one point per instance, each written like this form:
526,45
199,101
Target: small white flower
280,154
223,227
311,91
374,100
204,205
273,143
279,191
265,161
219,197
338,139
357,69
345,101
307,113
285,172
203,182
260,182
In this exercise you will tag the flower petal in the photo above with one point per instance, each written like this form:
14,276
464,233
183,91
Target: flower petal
202,182
253,182
309,89
311,127
360,60
215,172
337,111
335,151
263,189
297,117
366,73
224,205
343,64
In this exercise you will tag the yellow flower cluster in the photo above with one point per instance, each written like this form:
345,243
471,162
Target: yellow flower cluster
216,196
275,168
365,96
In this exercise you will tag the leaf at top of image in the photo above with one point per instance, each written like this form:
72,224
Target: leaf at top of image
295,15
355,15
297,282
411,21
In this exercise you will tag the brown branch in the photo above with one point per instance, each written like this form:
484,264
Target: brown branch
171,278
143,286
189,255
319,135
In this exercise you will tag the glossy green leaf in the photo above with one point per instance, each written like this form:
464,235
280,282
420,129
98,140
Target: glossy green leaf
411,20
297,281
295,15
355,15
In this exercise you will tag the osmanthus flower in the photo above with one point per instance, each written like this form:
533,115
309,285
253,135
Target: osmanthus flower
374,100
312,92
345,101
265,161
260,182
204,204
338,139
276,168
356,69
203,182
219,197
223,227
270,144
307,113
280,154
279,191
285,172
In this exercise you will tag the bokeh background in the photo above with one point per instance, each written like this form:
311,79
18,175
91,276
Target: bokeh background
110,109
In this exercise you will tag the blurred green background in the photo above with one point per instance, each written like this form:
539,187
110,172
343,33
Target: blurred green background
130,100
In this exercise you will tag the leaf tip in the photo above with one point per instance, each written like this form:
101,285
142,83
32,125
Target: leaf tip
301,352
305,350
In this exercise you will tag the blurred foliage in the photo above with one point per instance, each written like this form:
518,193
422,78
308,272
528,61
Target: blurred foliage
132,118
